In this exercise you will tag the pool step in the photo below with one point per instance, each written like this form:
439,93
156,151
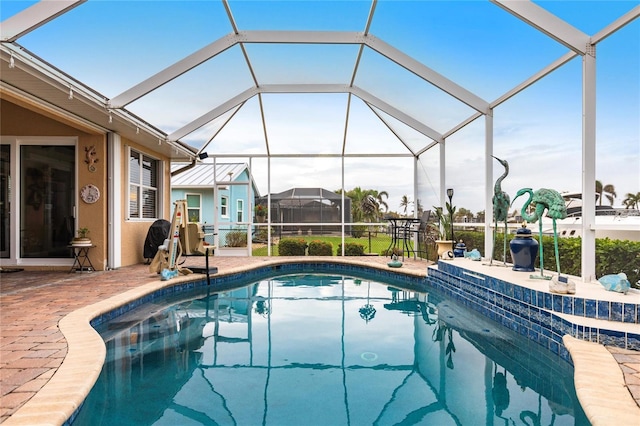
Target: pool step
204,270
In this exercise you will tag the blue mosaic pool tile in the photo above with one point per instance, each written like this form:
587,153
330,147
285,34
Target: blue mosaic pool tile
557,302
548,301
633,341
578,306
616,311
545,319
603,309
567,305
612,338
564,353
544,341
590,308
517,292
629,312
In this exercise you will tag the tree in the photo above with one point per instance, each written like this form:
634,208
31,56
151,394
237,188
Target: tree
462,214
632,201
405,202
366,204
607,190
419,207
378,199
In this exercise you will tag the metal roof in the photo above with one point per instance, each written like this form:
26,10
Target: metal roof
306,194
201,175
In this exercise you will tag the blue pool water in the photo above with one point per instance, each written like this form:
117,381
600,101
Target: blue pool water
323,350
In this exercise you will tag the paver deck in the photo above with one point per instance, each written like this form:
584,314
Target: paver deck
33,303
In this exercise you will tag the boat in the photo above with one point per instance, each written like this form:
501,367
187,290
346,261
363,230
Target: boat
616,223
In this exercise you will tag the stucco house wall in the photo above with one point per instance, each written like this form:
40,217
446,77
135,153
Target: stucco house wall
23,120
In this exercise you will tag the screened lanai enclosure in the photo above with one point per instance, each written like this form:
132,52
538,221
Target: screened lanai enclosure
406,99
308,211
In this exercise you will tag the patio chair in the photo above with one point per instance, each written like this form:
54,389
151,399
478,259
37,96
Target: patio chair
420,230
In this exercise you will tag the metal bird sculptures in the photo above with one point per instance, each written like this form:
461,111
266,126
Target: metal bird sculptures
551,201
500,209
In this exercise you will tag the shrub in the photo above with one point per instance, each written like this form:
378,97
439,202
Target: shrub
320,248
351,249
394,250
236,239
292,247
357,231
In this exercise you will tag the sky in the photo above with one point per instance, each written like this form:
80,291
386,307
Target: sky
112,45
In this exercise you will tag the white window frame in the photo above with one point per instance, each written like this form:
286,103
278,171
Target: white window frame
240,210
159,199
189,208
224,206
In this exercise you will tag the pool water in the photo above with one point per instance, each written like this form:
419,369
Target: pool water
323,350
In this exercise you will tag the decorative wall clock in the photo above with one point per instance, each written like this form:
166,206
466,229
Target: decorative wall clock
90,193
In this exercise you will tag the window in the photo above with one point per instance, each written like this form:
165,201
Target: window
224,204
143,186
240,211
193,207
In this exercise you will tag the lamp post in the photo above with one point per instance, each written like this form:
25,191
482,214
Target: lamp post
450,195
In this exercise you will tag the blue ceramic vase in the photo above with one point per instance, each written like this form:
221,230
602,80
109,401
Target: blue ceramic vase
524,250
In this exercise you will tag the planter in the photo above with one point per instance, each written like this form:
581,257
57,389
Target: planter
81,242
445,249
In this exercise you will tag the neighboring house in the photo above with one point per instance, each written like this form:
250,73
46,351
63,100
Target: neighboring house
231,209
296,207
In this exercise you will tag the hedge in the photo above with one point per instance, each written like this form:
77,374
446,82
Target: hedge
320,248
292,247
351,249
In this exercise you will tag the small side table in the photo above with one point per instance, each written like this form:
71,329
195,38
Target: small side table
81,261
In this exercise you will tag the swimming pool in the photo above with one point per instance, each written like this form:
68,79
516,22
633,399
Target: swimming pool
323,350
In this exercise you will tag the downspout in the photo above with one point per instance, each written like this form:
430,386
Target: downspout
184,169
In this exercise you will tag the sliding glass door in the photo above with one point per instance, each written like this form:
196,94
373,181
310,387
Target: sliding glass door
47,188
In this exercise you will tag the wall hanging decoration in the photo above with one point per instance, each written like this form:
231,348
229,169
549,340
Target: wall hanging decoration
91,154
90,194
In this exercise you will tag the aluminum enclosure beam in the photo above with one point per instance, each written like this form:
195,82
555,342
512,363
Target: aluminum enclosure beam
298,37
305,88
427,74
616,25
547,23
212,115
33,17
397,114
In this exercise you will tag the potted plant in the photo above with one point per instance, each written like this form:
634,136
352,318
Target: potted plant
261,213
445,240
82,240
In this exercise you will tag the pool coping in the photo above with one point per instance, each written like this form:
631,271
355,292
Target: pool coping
59,400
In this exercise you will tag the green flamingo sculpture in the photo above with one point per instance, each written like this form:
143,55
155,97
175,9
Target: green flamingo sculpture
544,199
500,209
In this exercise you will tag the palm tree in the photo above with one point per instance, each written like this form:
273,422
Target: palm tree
405,203
375,201
366,204
632,201
608,191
